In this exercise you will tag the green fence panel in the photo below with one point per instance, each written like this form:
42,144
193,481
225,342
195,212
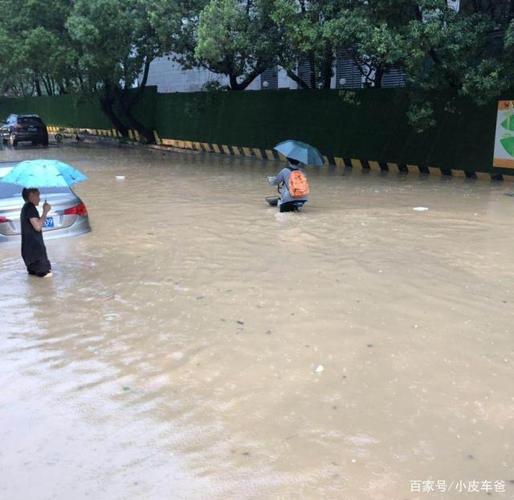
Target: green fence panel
373,127
76,110
65,111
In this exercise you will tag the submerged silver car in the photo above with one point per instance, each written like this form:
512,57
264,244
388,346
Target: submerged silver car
68,216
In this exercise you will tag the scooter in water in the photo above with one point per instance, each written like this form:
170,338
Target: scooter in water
273,202
290,206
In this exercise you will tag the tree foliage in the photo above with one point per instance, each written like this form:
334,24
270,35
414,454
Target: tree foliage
116,44
303,25
36,53
105,47
237,39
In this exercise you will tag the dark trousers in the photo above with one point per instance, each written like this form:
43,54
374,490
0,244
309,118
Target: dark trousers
39,268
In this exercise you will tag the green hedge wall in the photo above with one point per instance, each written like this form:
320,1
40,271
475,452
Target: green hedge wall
375,127
76,110
66,110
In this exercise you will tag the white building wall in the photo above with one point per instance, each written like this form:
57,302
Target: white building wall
169,76
284,82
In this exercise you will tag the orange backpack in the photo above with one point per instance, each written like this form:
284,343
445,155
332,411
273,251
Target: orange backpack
298,185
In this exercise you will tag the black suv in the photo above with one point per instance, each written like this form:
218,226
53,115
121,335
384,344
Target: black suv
24,128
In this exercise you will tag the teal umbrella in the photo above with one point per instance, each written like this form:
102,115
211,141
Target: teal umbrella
44,173
300,151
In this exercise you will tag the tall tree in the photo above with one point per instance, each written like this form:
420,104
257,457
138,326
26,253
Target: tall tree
303,27
237,39
176,24
39,51
438,48
117,44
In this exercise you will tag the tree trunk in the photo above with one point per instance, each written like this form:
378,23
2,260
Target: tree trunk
117,104
37,85
235,85
312,73
379,74
82,84
107,103
47,85
142,85
232,79
297,80
129,99
127,102
327,69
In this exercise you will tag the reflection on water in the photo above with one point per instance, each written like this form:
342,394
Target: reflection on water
199,345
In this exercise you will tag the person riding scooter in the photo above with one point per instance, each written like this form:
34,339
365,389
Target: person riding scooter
293,187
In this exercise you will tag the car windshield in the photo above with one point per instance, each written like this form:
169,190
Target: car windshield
14,190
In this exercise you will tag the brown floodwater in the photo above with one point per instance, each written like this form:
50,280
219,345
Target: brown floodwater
196,344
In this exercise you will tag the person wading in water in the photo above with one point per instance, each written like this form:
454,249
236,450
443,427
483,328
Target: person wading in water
33,248
293,187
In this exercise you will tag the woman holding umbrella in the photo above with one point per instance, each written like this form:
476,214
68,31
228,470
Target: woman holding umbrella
33,248
43,173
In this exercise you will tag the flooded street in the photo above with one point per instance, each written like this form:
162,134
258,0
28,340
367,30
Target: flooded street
197,344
